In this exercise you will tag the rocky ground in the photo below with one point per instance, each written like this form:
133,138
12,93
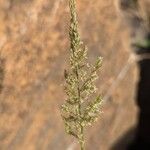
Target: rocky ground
33,54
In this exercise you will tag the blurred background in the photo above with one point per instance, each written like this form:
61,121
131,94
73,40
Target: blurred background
34,51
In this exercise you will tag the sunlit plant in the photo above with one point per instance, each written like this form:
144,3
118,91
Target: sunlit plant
79,110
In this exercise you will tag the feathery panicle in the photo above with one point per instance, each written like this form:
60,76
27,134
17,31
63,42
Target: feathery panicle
78,110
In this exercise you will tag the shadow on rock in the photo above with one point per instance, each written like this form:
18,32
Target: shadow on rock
125,140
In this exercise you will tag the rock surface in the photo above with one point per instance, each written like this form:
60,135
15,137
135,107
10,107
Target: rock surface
33,54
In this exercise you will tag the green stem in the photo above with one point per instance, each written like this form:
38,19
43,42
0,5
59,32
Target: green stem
82,146
75,43
81,134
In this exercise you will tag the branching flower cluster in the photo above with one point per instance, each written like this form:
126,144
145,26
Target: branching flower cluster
79,110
